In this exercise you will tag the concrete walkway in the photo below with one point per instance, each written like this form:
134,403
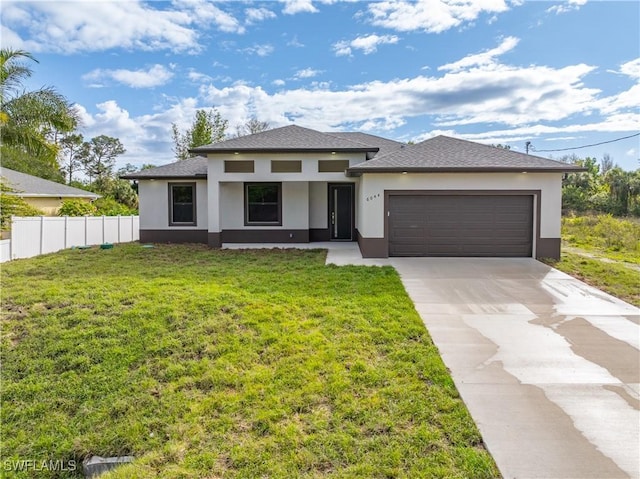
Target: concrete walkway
548,366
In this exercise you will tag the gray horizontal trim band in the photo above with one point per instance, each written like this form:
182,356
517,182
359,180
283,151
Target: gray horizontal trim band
160,177
284,150
355,171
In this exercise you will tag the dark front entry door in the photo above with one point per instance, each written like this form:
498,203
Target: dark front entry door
341,211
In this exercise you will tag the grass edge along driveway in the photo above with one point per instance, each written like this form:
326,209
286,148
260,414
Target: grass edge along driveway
210,363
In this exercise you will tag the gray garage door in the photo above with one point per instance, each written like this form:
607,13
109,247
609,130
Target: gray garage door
435,225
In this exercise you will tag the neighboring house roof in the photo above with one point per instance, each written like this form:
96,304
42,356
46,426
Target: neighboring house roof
195,167
386,146
445,154
29,186
291,138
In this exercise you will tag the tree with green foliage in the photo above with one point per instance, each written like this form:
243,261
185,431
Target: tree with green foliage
120,190
604,188
28,118
13,205
624,189
207,127
579,189
98,156
70,146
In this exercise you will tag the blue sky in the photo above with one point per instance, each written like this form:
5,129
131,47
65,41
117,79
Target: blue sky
557,74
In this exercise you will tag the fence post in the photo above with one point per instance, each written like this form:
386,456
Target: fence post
103,226
86,227
66,228
119,229
132,228
11,237
41,233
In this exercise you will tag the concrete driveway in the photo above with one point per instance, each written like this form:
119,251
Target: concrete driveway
548,366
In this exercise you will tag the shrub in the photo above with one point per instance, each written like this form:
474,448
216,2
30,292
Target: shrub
602,231
110,207
76,207
12,205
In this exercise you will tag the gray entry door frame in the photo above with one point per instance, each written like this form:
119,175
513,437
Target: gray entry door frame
341,211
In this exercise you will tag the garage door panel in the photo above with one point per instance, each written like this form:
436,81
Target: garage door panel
460,225
407,250
409,236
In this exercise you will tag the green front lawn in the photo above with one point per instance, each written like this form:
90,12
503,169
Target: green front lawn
207,364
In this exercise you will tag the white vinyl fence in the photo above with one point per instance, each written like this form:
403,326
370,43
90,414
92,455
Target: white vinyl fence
36,235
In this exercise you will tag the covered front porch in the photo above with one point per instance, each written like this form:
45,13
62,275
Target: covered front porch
282,212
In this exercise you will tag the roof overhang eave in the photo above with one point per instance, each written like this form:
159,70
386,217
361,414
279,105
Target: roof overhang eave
355,171
53,195
165,177
283,150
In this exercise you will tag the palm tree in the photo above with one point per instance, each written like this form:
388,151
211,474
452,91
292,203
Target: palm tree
30,120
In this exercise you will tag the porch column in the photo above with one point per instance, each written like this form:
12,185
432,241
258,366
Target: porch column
213,208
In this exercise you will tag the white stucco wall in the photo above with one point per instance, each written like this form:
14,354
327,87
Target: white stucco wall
154,204
304,194
370,199
262,166
318,206
295,209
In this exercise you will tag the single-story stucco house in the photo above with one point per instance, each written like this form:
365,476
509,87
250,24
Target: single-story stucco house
441,197
43,194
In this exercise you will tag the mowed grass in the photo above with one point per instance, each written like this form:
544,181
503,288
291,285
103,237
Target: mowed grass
225,364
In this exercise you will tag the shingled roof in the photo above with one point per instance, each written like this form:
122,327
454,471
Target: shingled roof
445,154
190,168
290,138
29,186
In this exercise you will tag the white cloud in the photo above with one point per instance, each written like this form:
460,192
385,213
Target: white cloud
198,77
565,7
154,76
482,59
75,26
613,124
502,94
260,50
631,68
626,100
306,73
294,42
517,103
368,44
631,152
291,7
205,13
255,15
147,138
433,16
342,48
